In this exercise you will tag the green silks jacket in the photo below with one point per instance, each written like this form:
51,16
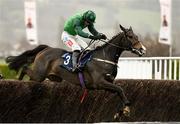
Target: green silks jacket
75,25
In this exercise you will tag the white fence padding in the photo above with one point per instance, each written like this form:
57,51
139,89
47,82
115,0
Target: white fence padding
163,68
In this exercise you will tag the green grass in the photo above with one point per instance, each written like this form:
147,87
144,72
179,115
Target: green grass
2,62
7,74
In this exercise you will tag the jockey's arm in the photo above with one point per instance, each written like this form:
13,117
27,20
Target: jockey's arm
81,33
93,30
78,29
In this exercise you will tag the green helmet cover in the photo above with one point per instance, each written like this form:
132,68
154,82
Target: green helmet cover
90,16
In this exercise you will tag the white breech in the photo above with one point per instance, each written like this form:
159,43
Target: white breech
73,42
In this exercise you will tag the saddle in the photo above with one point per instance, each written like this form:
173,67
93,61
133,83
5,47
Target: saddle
83,58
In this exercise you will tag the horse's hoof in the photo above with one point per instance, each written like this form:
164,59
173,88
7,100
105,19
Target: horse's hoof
1,76
116,116
126,111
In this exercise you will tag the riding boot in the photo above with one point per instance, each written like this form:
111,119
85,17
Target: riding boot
75,56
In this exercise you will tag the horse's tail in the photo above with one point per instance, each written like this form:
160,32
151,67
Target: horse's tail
27,57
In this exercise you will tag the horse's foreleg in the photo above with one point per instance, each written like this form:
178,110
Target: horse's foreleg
105,85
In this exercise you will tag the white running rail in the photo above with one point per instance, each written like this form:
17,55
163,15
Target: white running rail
163,68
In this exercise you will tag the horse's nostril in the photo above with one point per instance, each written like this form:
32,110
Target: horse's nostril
142,50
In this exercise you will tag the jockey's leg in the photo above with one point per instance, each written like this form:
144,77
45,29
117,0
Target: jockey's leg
70,41
75,56
82,43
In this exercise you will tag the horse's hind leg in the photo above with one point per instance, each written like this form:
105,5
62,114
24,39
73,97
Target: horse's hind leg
54,78
23,72
21,76
37,74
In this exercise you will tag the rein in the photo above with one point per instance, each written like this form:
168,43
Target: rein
107,61
102,60
114,45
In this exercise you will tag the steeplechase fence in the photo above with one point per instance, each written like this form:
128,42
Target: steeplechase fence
163,68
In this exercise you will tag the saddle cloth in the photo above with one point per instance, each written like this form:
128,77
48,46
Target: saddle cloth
84,57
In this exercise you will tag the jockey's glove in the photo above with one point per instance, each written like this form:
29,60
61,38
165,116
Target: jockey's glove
97,37
103,36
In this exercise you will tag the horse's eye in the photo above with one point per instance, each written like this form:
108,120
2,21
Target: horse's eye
136,37
130,37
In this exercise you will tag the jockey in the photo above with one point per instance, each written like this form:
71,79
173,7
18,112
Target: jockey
73,30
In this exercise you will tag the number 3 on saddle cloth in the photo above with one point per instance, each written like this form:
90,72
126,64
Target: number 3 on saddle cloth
84,57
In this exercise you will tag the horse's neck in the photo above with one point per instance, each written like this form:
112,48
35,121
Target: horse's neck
111,52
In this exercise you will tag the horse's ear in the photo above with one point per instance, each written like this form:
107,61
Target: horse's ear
130,28
122,28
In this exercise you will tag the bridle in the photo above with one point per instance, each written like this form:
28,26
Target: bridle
114,45
131,48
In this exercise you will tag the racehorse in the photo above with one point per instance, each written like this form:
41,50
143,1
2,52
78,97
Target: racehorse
99,72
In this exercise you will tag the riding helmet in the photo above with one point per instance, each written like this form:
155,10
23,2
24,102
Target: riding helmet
89,16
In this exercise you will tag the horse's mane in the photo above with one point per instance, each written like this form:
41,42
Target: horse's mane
120,33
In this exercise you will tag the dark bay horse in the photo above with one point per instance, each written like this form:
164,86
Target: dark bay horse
99,73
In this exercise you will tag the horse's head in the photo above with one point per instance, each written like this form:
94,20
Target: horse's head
131,42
